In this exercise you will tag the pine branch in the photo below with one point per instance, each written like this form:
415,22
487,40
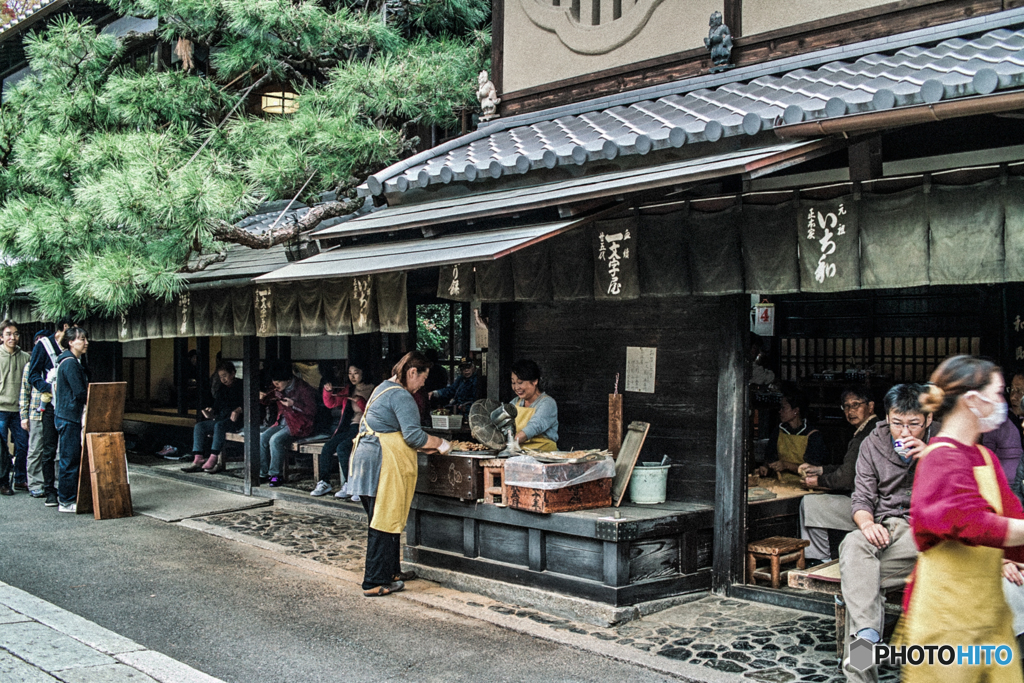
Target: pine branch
226,232
127,45
204,262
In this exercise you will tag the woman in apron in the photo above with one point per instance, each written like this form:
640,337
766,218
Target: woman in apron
537,419
383,470
963,516
793,442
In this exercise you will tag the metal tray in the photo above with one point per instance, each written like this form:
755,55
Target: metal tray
475,454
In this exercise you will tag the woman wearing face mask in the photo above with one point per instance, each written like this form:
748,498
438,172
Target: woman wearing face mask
964,518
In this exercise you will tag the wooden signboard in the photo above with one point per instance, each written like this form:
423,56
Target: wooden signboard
614,424
631,445
103,475
108,474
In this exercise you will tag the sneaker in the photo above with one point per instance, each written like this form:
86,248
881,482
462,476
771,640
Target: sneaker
20,486
166,451
355,499
322,489
342,494
210,463
37,493
70,507
276,481
51,500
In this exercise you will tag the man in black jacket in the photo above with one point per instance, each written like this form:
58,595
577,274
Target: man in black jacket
819,513
44,358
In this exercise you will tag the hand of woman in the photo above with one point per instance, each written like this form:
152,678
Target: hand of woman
778,465
811,480
445,447
521,437
1011,572
328,387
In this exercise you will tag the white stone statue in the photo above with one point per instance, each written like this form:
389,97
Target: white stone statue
488,96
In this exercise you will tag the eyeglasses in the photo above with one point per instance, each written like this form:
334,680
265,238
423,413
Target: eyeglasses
1015,391
898,426
847,407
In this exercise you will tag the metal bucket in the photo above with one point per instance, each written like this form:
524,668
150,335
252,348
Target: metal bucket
648,484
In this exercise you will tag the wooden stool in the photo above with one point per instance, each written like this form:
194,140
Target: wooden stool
778,550
494,481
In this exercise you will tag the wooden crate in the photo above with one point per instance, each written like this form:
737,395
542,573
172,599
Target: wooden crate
452,476
591,494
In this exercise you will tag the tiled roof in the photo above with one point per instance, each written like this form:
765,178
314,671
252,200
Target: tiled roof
26,13
914,75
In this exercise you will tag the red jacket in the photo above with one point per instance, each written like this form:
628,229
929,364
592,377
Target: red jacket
335,400
299,417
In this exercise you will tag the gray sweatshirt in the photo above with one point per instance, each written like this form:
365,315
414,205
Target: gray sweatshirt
12,365
883,481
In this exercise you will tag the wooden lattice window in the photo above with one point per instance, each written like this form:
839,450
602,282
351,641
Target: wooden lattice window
903,359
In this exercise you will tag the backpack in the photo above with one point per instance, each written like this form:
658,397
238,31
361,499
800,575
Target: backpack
51,374
54,382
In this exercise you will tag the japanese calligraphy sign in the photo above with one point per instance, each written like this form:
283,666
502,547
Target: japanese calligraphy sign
265,326
456,282
829,245
615,259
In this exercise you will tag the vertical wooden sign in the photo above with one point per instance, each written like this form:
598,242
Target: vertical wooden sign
103,475
614,423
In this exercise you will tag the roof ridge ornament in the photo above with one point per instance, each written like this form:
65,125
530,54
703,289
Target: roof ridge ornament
487,94
719,43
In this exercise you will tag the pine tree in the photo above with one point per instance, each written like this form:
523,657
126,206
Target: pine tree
113,180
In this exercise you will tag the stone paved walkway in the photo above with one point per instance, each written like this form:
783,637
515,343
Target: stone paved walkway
42,643
756,641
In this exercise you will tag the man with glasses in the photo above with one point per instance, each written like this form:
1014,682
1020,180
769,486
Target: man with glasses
819,513
12,364
882,553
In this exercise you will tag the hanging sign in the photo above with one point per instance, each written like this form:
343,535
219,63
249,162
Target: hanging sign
615,267
640,367
829,245
763,322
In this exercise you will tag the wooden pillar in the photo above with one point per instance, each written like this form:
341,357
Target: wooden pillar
251,409
500,347
202,371
180,373
730,480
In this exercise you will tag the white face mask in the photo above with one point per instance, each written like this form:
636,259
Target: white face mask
991,421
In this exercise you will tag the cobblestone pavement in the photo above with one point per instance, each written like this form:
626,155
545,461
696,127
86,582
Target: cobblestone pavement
759,642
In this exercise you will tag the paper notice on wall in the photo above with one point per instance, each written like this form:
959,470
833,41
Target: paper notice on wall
640,365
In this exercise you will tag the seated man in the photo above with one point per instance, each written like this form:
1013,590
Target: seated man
819,513
461,393
882,553
223,418
296,408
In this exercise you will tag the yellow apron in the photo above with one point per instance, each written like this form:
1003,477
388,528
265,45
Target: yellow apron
958,599
537,443
397,483
791,449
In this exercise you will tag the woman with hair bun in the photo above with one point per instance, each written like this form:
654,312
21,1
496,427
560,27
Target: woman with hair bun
384,469
964,518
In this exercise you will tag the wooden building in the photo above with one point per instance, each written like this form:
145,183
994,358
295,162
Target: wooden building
859,165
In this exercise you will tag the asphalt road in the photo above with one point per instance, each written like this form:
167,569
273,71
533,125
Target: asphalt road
230,610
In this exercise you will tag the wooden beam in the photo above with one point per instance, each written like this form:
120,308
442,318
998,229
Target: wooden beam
732,16
866,159
180,376
202,371
251,409
498,46
500,345
730,481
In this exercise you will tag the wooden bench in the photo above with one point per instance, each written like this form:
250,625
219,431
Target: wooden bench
778,550
312,444
825,579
